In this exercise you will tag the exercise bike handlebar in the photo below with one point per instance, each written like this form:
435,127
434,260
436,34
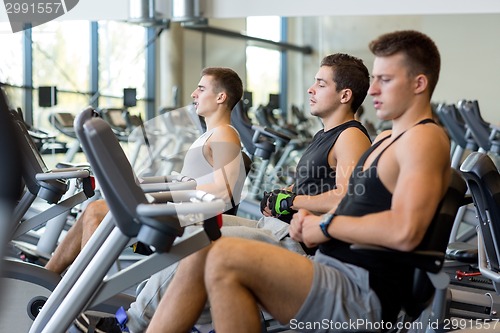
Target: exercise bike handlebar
169,186
164,179
209,205
63,174
269,133
190,196
167,183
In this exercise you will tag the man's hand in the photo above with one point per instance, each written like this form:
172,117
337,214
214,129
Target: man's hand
280,202
312,235
264,205
295,229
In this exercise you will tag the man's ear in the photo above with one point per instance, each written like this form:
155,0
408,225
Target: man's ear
346,96
221,97
421,83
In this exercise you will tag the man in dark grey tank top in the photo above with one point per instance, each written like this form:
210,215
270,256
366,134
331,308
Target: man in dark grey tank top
322,173
321,294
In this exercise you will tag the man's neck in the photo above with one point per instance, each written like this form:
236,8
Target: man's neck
409,118
336,118
221,117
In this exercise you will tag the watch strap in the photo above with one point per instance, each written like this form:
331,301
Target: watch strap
325,223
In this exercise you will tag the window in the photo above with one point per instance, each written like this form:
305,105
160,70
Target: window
11,63
61,58
263,65
122,62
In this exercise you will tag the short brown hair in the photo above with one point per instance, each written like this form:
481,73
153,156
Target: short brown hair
349,73
420,51
227,80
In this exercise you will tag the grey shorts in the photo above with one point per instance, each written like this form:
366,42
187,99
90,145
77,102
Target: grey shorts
340,300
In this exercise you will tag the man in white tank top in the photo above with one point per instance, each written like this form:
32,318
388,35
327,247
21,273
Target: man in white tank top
215,161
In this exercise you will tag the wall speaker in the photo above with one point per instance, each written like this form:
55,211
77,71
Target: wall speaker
47,96
129,97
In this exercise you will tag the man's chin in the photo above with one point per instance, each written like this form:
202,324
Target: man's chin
381,115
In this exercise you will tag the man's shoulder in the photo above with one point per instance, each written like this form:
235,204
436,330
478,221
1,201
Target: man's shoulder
430,142
431,133
225,133
354,135
225,129
382,135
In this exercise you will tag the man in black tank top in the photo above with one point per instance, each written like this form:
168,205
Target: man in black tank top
392,197
323,171
322,174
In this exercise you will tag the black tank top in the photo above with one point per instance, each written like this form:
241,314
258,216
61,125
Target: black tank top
366,194
314,174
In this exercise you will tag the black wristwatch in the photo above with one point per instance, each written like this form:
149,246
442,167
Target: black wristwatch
325,222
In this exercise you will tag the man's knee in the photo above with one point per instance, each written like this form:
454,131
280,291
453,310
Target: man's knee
95,212
97,206
223,258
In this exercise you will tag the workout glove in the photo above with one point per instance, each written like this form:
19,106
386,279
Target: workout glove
280,202
264,201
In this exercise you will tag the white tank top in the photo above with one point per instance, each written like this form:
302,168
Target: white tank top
196,166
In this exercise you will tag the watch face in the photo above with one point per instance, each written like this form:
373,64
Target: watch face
326,218
325,223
